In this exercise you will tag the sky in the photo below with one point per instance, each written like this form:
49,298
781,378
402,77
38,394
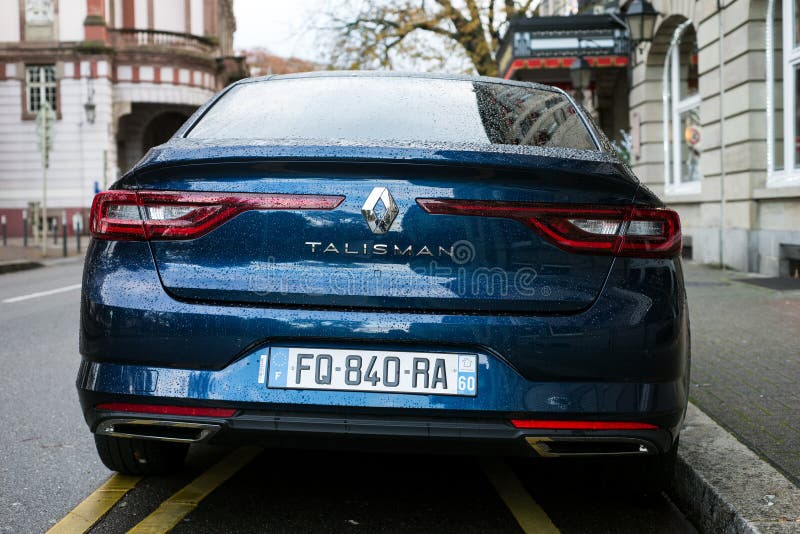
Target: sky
290,28
285,27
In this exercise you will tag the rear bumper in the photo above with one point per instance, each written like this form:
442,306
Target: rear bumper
385,433
339,419
626,358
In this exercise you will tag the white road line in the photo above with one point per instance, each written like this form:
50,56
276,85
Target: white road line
41,294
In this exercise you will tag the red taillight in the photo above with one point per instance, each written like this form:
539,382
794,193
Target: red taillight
623,231
163,409
115,215
540,424
131,215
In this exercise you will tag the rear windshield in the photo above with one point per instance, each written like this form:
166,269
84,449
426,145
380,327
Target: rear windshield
379,110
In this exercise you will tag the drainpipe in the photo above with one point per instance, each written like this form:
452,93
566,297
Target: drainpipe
720,11
770,75
665,97
81,132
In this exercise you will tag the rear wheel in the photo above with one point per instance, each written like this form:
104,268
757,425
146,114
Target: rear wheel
659,470
639,476
653,474
131,456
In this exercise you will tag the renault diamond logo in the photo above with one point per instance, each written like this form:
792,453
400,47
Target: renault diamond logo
379,224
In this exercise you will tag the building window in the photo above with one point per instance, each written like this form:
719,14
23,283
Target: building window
783,93
682,131
796,19
40,87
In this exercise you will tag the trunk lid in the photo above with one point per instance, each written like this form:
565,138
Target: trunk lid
379,249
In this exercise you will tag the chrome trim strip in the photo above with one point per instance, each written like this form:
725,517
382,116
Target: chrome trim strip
540,445
107,428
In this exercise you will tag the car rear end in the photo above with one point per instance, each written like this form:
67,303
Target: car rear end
299,266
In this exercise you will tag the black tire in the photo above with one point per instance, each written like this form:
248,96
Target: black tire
131,456
656,472
642,476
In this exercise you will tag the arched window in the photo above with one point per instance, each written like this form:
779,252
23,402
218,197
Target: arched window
681,101
783,92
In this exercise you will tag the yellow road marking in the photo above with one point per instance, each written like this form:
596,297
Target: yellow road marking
87,513
171,511
526,511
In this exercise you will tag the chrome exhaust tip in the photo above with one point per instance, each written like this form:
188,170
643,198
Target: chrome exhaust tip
551,446
175,431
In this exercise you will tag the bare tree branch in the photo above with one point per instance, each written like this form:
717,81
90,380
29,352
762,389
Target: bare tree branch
474,13
381,31
510,8
494,32
526,7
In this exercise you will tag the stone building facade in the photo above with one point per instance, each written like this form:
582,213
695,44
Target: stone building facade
121,75
709,105
712,144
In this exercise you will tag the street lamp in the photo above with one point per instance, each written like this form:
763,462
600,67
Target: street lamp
641,20
580,73
90,108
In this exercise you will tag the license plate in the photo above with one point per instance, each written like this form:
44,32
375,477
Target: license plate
381,371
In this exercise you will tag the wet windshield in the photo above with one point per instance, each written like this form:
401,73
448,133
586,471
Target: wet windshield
392,109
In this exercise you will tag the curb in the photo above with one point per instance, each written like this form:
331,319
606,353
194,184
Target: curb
63,261
724,487
13,266
18,265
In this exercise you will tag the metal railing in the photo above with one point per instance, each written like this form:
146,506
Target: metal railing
133,38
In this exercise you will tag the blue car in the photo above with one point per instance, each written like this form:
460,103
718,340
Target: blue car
393,261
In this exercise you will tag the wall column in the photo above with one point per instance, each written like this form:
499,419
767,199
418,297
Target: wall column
94,27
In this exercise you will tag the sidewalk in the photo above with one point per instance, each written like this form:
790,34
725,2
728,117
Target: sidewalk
14,251
746,362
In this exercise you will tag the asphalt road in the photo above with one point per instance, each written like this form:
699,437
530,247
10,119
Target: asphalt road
46,459
48,463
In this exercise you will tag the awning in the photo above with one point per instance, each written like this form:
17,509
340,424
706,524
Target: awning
554,42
